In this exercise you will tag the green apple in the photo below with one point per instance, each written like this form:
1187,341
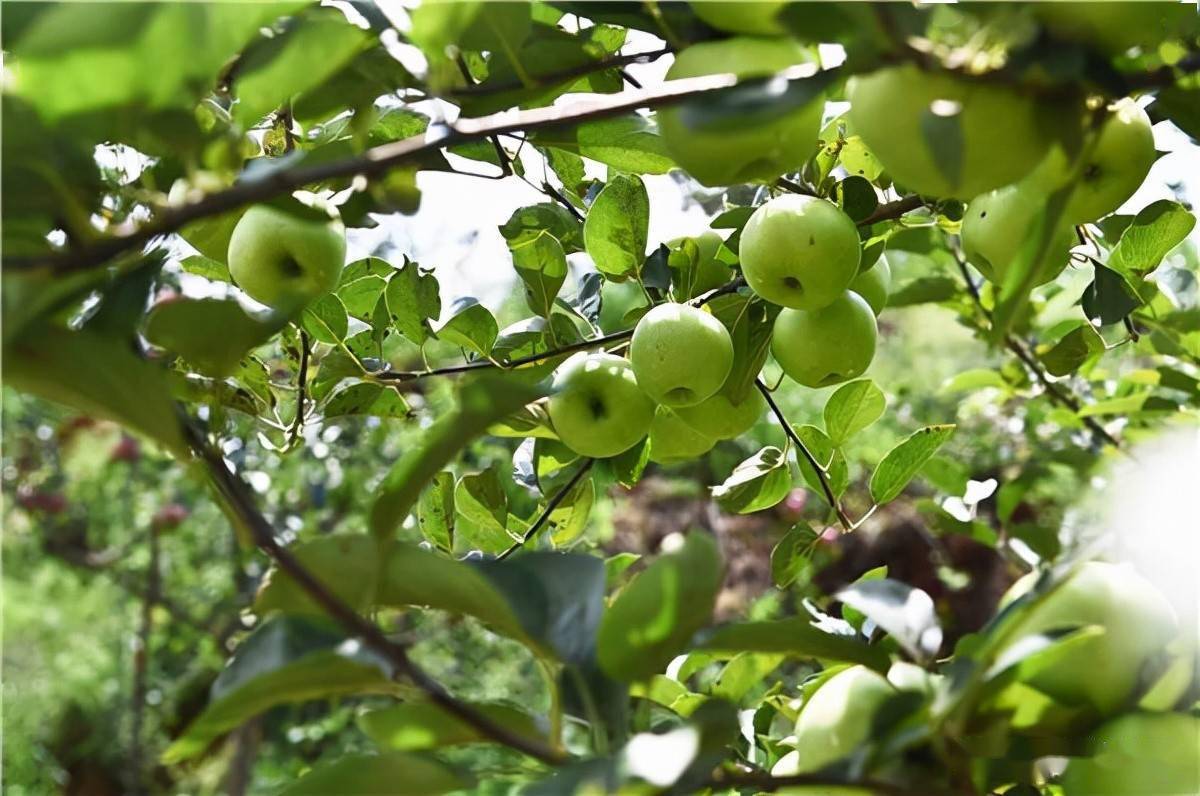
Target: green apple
720,418
1115,27
673,441
827,346
901,111
1118,165
279,259
836,720
618,299
1151,754
873,284
753,18
756,150
597,408
799,251
710,272
997,223
681,355
1103,672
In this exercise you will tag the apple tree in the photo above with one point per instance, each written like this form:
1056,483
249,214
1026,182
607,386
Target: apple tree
186,192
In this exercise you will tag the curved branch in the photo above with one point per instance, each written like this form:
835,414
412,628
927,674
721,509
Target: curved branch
378,160
544,517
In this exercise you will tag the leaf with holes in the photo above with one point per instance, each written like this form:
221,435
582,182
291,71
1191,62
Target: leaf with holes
413,299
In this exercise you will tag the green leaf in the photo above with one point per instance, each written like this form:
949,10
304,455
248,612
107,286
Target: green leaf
757,483
796,637
569,519
96,375
1154,232
473,25
628,143
542,265
412,300
1124,405
1076,347
211,334
414,726
528,421
1109,298
617,226
346,564
366,398
857,197
212,270
287,659
362,283
393,773
749,321
975,379
943,136
905,460
326,320
792,555
654,616
481,403
531,222
828,456
924,290
851,408
481,499
318,45
436,511
471,326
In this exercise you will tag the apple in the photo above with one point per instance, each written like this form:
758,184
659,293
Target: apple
873,284
279,259
997,135
1118,165
756,18
836,720
1154,754
681,355
757,149
799,251
721,418
597,408
996,224
1103,672
673,441
710,272
1115,27
827,346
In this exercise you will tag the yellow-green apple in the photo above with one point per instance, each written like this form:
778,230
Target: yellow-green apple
280,259
1100,673
681,355
827,346
992,132
799,251
758,149
1123,155
997,223
873,284
721,418
597,408
1140,754
673,441
753,18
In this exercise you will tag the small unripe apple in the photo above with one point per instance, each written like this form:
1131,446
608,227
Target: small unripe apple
710,272
720,418
597,408
799,251
1101,672
673,441
1114,27
996,225
1146,754
995,126
752,18
836,720
1118,165
280,260
822,347
758,149
873,284
681,355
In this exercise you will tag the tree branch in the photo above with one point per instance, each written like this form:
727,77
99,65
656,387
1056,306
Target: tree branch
239,499
892,210
141,666
380,159
301,388
551,505
822,474
599,65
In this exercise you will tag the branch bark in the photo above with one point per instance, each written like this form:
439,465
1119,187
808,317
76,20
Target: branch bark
544,517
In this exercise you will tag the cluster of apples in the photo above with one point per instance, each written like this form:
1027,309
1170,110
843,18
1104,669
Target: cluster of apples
1098,676
799,252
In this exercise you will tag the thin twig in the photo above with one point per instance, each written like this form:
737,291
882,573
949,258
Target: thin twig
892,210
554,194
551,505
141,666
599,65
378,160
301,389
820,469
240,501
